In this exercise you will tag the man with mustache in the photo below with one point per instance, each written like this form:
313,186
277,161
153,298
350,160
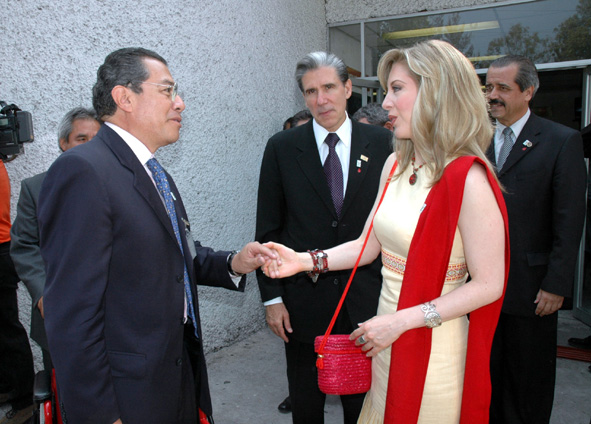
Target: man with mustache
300,206
540,164
120,300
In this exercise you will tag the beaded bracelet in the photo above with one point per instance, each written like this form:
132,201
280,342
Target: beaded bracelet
320,264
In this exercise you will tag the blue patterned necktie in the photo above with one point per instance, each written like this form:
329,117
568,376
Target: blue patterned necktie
334,172
505,148
164,189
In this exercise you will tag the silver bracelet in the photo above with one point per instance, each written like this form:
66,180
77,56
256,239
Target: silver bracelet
432,317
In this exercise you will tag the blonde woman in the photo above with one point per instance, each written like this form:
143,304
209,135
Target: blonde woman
442,219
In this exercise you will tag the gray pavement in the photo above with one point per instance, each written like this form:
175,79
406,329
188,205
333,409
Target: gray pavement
248,381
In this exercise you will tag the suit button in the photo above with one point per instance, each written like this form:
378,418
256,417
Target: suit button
179,362
180,279
335,224
336,281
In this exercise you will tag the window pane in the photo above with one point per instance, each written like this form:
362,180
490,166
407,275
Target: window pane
545,31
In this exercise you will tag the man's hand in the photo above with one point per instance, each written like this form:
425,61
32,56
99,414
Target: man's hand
40,306
278,320
252,256
118,421
548,303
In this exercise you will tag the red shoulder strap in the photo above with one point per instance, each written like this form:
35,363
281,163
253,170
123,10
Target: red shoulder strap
336,313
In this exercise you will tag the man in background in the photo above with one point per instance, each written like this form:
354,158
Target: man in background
540,165
303,208
373,114
77,127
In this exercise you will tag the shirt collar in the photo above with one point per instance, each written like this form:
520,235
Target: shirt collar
139,149
344,132
517,126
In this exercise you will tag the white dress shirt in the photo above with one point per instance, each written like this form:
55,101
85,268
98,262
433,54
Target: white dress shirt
517,127
343,149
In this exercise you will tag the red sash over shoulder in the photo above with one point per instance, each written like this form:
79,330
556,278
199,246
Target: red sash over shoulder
426,266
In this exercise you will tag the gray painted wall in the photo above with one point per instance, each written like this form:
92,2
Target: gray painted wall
234,61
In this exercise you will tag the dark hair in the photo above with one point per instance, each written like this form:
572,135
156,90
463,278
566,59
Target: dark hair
527,75
317,60
122,67
65,126
302,115
374,113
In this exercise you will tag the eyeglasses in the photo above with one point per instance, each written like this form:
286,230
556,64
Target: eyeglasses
172,90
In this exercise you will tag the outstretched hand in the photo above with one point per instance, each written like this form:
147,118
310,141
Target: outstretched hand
287,264
252,256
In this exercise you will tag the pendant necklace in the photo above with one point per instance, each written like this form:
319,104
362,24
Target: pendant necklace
413,178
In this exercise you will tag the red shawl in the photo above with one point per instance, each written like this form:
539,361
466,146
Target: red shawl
426,267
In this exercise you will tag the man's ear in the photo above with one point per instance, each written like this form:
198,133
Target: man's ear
121,97
388,125
348,88
63,144
529,93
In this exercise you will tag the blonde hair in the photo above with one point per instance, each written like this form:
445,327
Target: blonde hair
450,114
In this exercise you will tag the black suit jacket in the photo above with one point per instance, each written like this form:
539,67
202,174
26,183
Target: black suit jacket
114,296
295,208
26,253
544,178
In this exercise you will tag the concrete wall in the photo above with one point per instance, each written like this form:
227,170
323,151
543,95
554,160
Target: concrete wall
234,62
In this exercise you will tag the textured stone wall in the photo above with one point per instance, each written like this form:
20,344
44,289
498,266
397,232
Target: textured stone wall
234,62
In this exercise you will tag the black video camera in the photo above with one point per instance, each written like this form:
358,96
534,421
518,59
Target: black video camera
16,128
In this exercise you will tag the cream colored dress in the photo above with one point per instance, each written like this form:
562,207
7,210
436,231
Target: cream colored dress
394,226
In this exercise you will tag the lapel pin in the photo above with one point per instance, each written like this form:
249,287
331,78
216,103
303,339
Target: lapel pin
527,143
358,163
187,224
172,194
364,158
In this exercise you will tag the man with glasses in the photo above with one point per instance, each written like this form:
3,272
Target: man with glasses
121,309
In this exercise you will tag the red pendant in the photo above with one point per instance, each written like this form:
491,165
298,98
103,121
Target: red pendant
413,178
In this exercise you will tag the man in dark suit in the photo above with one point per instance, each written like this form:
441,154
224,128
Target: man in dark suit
540,164
297,207
77,127
120,301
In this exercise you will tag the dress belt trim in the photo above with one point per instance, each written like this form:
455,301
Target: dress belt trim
397,264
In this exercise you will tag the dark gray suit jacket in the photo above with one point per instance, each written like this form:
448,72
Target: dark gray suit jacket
544,178
26,253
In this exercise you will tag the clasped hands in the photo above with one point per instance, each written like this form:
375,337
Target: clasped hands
286,263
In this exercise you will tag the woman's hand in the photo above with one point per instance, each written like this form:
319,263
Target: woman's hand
287,264
378,333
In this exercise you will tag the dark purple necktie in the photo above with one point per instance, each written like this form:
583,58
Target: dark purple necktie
334,172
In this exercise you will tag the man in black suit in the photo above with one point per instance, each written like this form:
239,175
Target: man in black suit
540,164
297,207
120,300
77,127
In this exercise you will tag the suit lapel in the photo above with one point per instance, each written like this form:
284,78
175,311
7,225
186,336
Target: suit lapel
141,181
311,165
360,155
527,141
